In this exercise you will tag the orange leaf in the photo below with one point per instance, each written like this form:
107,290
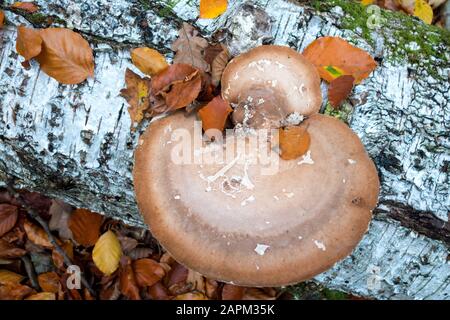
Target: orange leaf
232,292
339,90
2,19
29,7
14,291
294,142
137,95
85,226
9,276
184,93
37,235
28,43
49,282
8,218
214,115
42,296
210,9
128,285
175,73
148,272
65,56
8,251
329,54
149,61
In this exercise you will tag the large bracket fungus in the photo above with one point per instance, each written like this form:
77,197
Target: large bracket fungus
223,211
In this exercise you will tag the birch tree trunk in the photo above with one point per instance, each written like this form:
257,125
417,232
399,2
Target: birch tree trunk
74,142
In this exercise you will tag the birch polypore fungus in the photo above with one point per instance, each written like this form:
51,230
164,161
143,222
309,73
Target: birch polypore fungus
268,83
251,222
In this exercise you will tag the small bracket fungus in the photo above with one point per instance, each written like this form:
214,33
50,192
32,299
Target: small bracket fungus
219,237
268,83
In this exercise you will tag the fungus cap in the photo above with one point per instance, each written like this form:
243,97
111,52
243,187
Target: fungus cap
231,222
277,79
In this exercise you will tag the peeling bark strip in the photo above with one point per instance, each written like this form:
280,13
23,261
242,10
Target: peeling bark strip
74,143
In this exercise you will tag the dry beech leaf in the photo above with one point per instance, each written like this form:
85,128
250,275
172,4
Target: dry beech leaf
158,292
148,60
212,51
333,57
128,285
339,90
211,287
148,272
65,56
58,259
49,282
29,7
8,218
42,296
210,9
2,19
184,93
259,294
9,276
9,251
232,292
107,253
294,142
37,235
214,115
218,65
189,48
28,43
137,95
14,291
191,296
85,226
196,281
177,274
175,73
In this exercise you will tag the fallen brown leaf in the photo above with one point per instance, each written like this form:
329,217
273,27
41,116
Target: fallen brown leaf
191,296
175,73
128,285
8,218
148,60
42,296
232,292
218,65
137,94
58,259
148,272
14,291
37,235
9,251
189,48
184,93
2,19
49,282
28,43
85,226
9,276
28,7
339,90
214,115
158,292
334,57
294,142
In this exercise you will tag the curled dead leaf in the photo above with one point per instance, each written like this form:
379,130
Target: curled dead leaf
37,235
189,48
42,296
148,272
210,9
58,259
339,90
85,226
8,218
148,60
158,292
334,57
294,142
9,251
107,253
218,65
49,282
128,285
9,276
14,291
232,292
214,115
175,73
28,7
184,93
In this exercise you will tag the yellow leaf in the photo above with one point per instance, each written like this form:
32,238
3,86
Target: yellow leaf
210,9
42,296
107,253
149,61
334,72
423,11
9,276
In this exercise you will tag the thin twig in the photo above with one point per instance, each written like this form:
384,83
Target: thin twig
29,268
44,225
